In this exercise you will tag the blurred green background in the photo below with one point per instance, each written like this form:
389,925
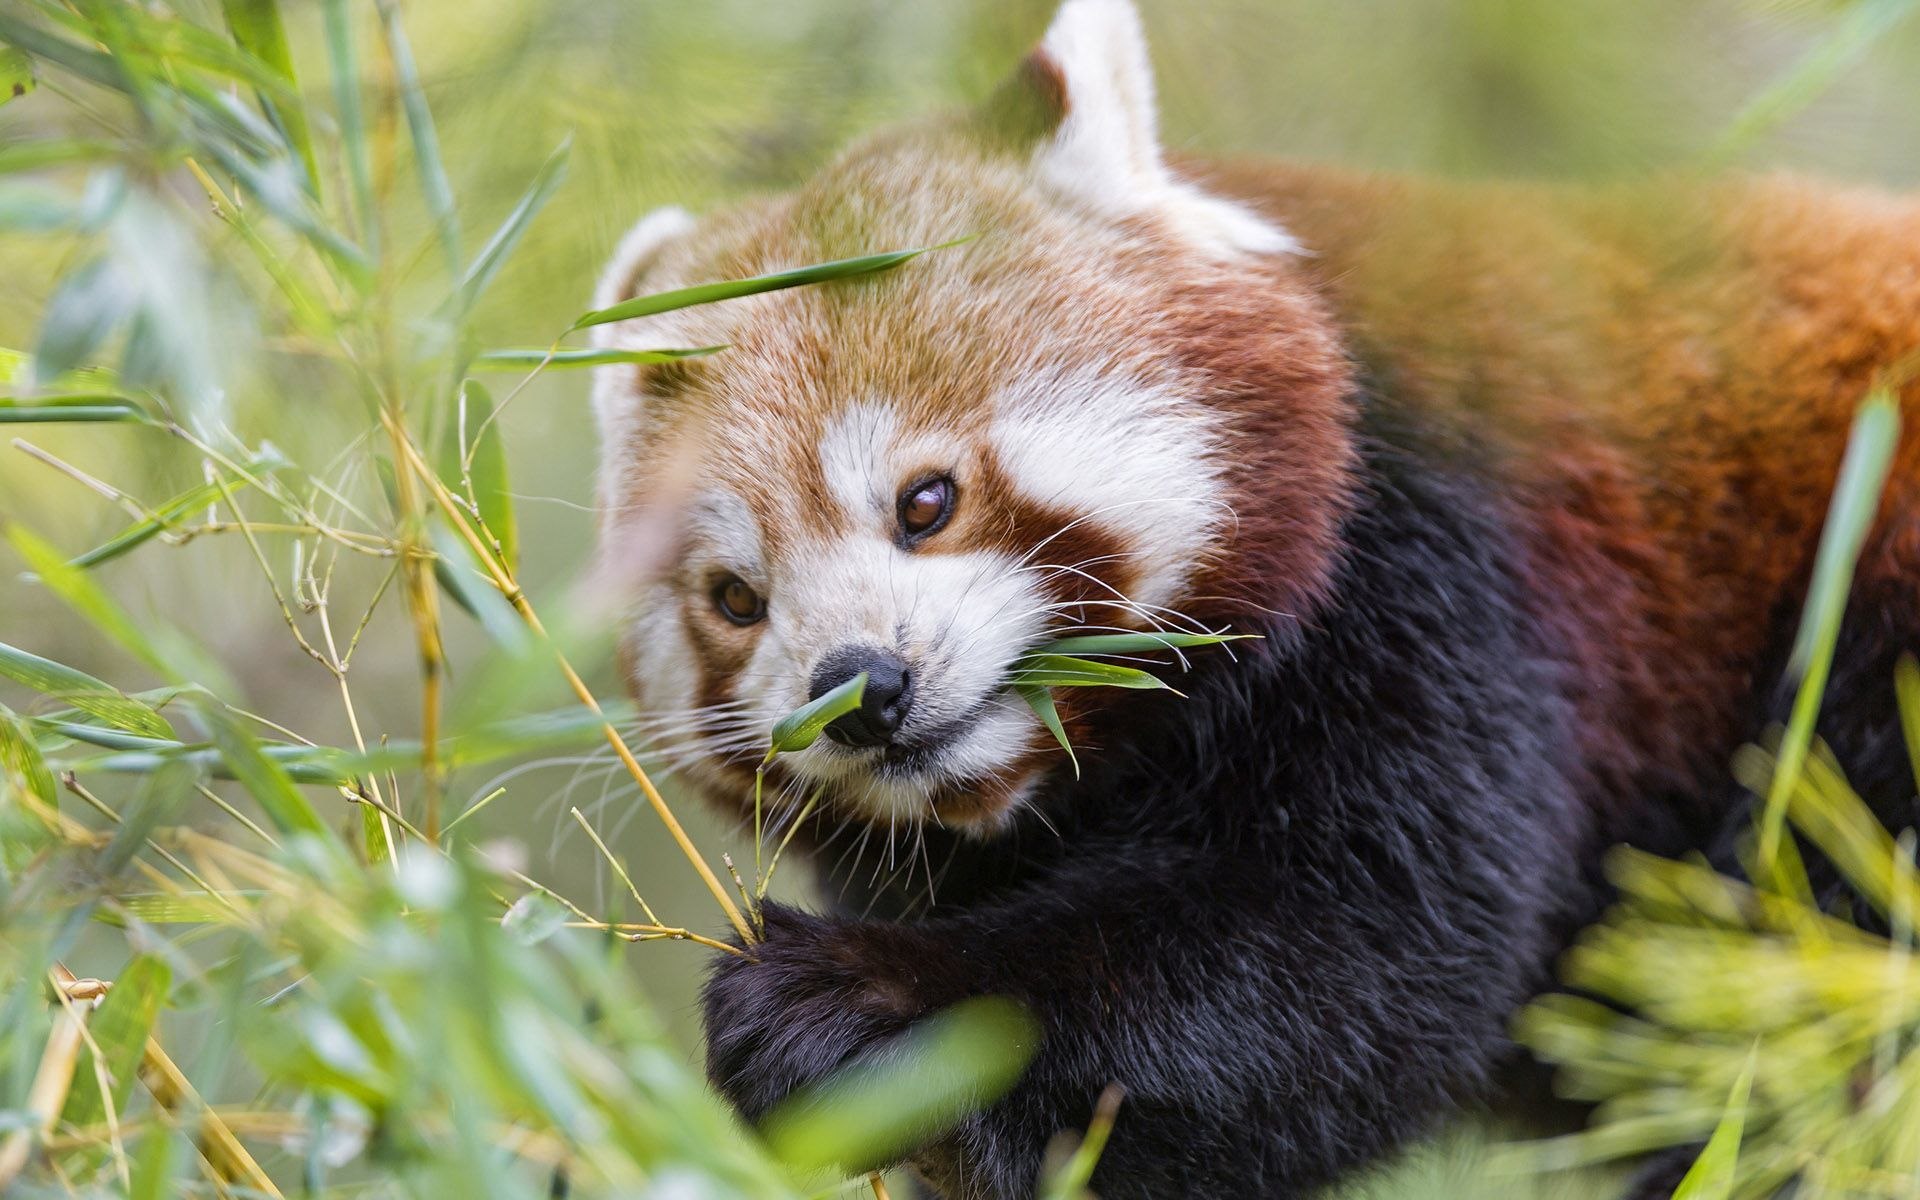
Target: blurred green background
696,102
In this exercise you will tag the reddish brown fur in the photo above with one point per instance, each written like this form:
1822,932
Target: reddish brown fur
1667,376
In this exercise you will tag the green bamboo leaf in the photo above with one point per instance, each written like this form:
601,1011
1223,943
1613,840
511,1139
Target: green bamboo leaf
66,413
16,73
164,518
484,458
470,587
344,65
426,142
265,780
709,293
85,597
1059,670
182,908
82,691
35,42
1712,1174
875,1109
516,359
49,152
257,27
803,726
1850,513
1040,700
1139,643
494,254
120,1028
151,1175
1906,685
21,764
89,304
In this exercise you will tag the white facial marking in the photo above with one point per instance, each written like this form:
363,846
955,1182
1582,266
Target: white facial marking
721,530
1128,458
854,453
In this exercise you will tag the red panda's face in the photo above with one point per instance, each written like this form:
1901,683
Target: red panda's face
923,474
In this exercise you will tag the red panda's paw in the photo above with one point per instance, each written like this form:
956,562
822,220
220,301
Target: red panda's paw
814,994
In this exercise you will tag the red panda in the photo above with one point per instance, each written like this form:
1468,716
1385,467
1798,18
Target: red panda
1520,484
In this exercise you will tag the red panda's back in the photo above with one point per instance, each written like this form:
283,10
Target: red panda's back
1666,374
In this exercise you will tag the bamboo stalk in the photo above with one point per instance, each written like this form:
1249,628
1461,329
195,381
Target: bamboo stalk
504,580
53,1078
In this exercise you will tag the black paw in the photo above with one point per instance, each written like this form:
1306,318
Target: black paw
813,994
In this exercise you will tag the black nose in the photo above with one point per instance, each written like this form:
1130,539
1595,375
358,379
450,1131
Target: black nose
884,703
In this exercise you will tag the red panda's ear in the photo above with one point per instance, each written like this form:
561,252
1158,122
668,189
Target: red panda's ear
637,252
1082,105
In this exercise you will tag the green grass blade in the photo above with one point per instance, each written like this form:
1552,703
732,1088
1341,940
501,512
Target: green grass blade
1856,497
120,1029
709,293
257,27
501,245
426,142
1059,670
81,691
1040,700
803,726
1712,1174
517,359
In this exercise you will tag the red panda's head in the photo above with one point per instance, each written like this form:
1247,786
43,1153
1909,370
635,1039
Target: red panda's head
1114,407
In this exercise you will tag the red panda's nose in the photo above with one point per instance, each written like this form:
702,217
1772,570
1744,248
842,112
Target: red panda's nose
884,703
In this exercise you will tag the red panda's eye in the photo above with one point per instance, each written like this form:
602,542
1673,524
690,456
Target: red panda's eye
738,602
925,506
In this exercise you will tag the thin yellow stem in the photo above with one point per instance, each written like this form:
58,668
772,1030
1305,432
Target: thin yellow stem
505,582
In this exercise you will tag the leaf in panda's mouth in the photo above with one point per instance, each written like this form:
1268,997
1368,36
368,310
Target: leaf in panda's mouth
803,726
1058,664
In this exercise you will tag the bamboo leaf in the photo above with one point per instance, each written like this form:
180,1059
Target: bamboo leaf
515,359
1059,670
21,764
257,27
501,245
875,1109
709,293
426,142
1856,497
344,66
1040,700
121,1028
264,779
165,517
1712,1174
85,597
482,462
82,691
803,726
14,413
1139,643
16,73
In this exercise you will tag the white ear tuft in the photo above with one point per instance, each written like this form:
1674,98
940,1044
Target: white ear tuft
637,252
1105,150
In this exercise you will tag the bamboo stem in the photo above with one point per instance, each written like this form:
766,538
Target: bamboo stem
504,580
